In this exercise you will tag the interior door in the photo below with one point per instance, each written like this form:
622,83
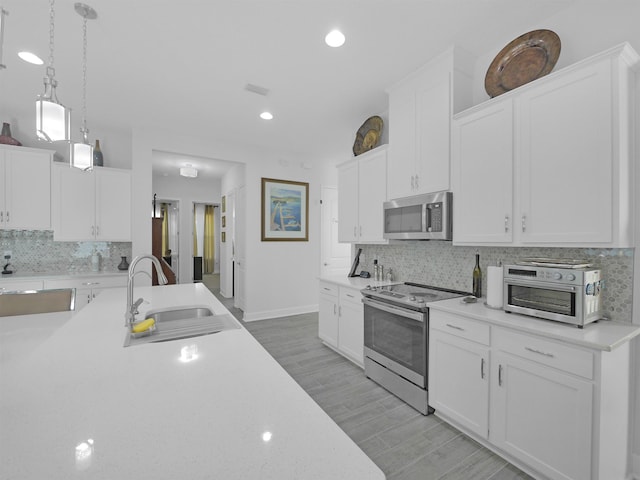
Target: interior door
239,217
335,256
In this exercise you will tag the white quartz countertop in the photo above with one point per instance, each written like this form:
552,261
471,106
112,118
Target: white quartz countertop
59,276
80,405
355,282
602,335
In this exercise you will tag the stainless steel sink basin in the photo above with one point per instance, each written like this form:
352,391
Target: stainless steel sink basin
182,322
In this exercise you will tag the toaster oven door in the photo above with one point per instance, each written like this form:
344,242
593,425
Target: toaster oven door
544,300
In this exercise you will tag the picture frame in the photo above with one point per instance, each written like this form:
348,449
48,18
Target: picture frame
285,211
224,222
223,237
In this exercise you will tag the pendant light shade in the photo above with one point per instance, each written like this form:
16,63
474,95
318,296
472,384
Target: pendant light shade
53,120
82,156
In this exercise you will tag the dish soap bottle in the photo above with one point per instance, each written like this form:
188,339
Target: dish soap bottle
477,278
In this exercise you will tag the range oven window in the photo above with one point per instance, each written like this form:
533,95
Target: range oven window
397,337
542,299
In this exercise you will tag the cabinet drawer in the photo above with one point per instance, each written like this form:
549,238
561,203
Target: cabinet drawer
350,295
467,328
554,354
18,285
88,282
329,289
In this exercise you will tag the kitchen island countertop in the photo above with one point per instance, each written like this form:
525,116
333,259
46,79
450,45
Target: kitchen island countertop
82,405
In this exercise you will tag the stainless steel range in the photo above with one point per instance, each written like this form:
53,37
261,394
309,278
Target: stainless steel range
396,330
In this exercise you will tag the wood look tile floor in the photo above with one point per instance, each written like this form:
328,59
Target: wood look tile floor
403,443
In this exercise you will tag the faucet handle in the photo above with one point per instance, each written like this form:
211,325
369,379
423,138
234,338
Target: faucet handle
135,305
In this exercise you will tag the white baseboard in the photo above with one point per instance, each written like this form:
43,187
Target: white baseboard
282,312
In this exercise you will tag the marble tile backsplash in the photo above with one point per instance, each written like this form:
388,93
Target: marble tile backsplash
36,252
442,264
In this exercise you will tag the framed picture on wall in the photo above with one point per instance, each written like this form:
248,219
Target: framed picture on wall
223,237
224,204
224,222
285,210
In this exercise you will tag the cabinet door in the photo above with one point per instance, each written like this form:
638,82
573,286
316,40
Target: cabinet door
73,204
402,141
83,298
348,204
27,190
542,416
483,176
372,185
328,319
459,381
351,326
113,205
433,120
566,158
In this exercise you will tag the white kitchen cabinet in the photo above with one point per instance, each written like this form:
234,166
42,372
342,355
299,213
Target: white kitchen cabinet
88,287
459,371
19,285
351,325
341,320
361,194
420,110
483,175
571,149
545,405
25,194
328,315
91,205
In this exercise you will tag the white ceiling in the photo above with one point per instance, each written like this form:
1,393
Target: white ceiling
184,64
167,164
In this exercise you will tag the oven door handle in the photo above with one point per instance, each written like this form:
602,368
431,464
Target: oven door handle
417,316
543,285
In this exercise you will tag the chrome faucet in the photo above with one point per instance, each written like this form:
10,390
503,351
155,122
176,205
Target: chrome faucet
132,307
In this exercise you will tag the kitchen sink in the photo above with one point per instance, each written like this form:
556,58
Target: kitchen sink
180,323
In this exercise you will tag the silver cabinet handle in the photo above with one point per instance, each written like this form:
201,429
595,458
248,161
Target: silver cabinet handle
340,311
455,327
417,182
482,368
360,230
412,182
355,231
499,375
540,352
506,223
334,308
91,283
8,219
93,230
97,230
327,289
1,216
349,295
524,222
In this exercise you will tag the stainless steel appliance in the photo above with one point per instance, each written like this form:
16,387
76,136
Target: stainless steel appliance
396,331
554,291
421,217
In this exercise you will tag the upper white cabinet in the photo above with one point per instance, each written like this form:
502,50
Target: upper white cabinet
92,205
420,110
25,188
550,163
361,193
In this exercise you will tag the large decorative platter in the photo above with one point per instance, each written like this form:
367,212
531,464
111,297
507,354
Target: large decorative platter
528,57
368,135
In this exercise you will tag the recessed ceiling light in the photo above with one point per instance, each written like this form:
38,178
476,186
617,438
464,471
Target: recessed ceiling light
30,58
266,116
334,38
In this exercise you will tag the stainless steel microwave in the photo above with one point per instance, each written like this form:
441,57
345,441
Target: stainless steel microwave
421,217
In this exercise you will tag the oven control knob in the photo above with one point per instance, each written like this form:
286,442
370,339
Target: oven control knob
557,275
412,298
571,277
420,300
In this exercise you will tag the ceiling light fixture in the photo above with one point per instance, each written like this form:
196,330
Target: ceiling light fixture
266,116
3,13
335,38
31,58
82,152
53,119
188,171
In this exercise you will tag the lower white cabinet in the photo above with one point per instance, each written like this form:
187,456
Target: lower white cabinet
557,410
87,288
341,320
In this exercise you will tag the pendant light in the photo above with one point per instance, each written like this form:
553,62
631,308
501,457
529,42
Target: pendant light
82,153
3,13
52,118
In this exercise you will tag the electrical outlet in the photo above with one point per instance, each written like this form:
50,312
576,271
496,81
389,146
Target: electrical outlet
7,253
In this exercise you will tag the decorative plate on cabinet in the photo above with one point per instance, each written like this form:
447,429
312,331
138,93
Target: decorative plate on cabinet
368,135
528,57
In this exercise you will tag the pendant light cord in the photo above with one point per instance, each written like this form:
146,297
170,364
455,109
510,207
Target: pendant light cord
85,131
51,33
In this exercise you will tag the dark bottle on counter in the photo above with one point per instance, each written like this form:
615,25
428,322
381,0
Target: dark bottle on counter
477,278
